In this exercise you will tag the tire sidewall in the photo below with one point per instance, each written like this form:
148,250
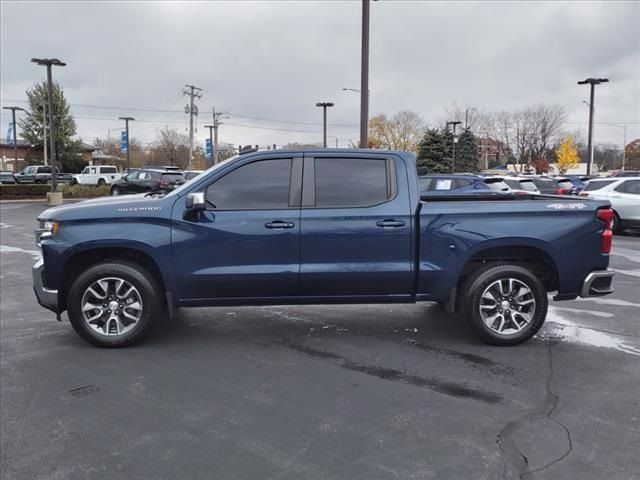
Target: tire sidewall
115,191
144,283
473,293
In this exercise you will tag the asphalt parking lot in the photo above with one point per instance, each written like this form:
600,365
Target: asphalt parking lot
341,392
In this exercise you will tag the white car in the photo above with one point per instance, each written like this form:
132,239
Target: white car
97,175
624,195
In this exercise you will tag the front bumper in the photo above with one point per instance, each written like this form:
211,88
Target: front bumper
47,298
598,283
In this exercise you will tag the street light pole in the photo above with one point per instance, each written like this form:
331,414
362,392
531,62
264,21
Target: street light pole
15,137
332,136
593,82
49,62
324,106
624,140
126,126
453,161
364,77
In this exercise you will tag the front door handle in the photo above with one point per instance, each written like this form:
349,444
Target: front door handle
279,225
390,223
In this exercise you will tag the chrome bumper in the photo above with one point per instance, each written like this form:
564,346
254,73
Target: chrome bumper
47,298
598,283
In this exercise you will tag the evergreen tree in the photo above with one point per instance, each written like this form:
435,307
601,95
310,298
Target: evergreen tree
434,153
68,150
467,156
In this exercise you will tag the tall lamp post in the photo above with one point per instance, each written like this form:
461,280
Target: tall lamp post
453,161
324,106
126,126
49,62
15,137
593,82
364,77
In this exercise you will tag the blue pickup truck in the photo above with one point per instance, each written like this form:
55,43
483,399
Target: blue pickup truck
318,227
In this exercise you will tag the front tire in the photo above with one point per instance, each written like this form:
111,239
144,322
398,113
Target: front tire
115,191
504,304
113,304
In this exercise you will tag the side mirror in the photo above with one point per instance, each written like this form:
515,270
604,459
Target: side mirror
195,202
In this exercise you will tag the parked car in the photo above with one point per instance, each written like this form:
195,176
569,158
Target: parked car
148,180
41,174
189,174
6,177
451,183
626,173
624,195
324,226
97,175
521,184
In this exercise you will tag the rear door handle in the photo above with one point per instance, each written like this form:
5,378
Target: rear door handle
390,224
279,225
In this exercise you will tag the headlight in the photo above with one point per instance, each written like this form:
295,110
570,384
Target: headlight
46,230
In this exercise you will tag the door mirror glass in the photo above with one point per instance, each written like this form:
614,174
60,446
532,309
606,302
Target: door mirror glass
195,202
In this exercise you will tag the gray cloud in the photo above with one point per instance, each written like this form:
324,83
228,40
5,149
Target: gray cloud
276,59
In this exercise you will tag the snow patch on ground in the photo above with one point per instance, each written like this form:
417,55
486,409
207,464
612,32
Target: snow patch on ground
36,254
560,327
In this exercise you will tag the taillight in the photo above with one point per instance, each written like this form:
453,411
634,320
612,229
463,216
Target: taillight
163,182
606,215
583,194
563,191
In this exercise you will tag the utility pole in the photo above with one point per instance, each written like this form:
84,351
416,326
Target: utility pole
324,106
49,62
15,137
126,123
364,78
455,140
44,130
216,124
593,82
193,92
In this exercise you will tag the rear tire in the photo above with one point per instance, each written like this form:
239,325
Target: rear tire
101,182
113,304
616,224
504,304
115,191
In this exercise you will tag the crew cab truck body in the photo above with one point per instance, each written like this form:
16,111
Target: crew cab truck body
41,174
319,227
97,175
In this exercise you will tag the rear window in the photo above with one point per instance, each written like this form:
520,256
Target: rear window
565,184
591,186
443,184
109,170
497,184
528,185
424,184
173,177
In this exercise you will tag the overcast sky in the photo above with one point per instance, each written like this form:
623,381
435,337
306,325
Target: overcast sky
268,63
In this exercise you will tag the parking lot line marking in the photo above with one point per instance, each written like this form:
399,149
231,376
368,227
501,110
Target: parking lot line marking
36,254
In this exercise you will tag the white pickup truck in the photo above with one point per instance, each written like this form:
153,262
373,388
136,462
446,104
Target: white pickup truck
97,175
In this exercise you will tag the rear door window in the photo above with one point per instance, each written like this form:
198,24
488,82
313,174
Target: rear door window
630,186
173,178
591,186
351,182
109,170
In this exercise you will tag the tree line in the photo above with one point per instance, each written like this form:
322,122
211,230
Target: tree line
529,138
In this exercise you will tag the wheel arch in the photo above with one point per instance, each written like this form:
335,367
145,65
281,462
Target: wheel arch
85,258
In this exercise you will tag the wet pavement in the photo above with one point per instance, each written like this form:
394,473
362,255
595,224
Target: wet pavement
339,392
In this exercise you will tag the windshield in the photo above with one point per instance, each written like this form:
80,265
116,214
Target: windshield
195,179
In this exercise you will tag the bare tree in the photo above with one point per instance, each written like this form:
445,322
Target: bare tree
477,120
170,148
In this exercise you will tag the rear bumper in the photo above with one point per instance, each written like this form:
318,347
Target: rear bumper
598,283
47,298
